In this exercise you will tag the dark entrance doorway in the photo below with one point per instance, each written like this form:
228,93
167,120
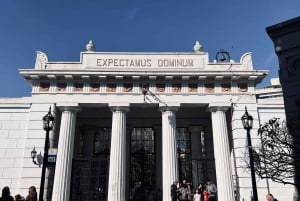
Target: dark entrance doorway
142,164
90,165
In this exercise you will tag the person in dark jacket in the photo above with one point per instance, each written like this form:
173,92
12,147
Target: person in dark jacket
174,191
270,197
32,194
6,194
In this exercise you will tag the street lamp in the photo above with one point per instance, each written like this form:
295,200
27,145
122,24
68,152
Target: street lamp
247,121
39,157
48,123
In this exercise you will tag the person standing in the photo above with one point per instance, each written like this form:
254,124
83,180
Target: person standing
197,195
174,191
32,194
201,188
190,192
205,196
184,191
6,194
211,189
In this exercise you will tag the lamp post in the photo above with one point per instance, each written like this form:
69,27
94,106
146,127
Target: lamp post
247,121
48,123
39,157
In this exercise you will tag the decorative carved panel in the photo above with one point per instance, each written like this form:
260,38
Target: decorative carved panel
111,87
176,87
78,87
243,87
226,87
209,88
94,87
193,87
160,87
127,87
61,87
44,87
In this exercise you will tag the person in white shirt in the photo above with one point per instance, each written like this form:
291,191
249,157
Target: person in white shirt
197,195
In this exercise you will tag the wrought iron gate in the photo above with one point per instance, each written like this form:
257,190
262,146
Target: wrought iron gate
89,179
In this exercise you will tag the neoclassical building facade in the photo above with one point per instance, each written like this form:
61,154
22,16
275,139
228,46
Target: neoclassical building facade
128,124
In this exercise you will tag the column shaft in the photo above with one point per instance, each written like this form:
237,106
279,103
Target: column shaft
222,154
63,168
117,165
169,151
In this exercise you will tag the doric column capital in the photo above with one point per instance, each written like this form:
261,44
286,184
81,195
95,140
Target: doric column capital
73,107
170,107
114,107
214,107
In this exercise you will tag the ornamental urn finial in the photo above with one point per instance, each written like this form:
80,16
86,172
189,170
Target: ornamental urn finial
90,47
197,47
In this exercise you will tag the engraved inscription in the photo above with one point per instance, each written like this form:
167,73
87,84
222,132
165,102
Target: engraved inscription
117,62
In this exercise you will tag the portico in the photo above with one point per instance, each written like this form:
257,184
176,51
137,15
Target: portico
132,123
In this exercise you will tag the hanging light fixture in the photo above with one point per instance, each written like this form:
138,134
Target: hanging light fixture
247,120
222,56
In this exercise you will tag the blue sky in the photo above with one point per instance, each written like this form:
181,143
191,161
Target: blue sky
61,29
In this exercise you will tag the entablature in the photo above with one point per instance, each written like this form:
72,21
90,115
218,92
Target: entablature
255,76
127,72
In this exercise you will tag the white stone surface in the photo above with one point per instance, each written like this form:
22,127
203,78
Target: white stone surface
169,150
63,168
117,177
222,153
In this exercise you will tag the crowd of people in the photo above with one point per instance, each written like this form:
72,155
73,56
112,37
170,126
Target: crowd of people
179,192
204,192
183,191
6,196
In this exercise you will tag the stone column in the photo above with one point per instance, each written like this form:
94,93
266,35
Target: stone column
63,168
169,150
117,164
222,153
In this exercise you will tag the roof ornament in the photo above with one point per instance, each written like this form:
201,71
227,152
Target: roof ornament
41,60
90,47
246,60
223,56
197,47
